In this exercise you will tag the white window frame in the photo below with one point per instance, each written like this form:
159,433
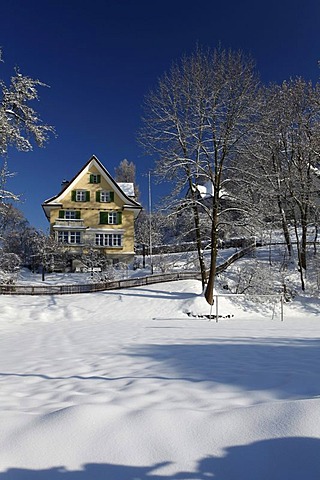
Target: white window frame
109,240
113,218
69,237
81,195
70,214
104,196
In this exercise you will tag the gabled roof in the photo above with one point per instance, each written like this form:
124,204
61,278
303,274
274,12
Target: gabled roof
68,187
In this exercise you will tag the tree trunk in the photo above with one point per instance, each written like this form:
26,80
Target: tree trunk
199,247
214,253
304,230
285,229
299,256
304,248
315,239
196,219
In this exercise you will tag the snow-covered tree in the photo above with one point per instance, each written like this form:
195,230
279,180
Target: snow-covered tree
9,266
15,233
20,124
142,228
283,164
195,123
11,220
45,252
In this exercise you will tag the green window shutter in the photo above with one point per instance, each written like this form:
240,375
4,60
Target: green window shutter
104,218
119,218
78,216
111,196
61,213
98,196
87,196
73,196
94,178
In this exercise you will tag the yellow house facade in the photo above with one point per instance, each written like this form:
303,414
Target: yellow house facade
93,210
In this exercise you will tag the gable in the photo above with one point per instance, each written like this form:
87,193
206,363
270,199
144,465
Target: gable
93,177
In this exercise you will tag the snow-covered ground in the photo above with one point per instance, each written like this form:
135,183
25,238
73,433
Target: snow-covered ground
124,385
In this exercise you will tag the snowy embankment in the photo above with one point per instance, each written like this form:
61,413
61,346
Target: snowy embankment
125,385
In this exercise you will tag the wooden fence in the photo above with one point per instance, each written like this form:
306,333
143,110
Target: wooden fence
115,284
95,287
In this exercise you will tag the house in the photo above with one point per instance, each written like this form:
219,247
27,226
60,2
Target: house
94,211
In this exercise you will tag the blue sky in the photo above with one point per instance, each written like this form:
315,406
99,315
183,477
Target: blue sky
101,57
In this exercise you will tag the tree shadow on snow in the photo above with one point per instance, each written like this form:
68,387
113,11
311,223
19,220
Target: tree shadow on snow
92,471
295,458
287,367
149,293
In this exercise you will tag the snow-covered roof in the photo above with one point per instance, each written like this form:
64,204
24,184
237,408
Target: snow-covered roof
207,190
127,188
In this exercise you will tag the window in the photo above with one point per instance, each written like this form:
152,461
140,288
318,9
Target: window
69,214
70,237
95,178
74,237
110,218
63,237
80,196
104,196
109,239
113,218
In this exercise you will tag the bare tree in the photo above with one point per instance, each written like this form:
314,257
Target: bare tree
285,159
195,123
125,171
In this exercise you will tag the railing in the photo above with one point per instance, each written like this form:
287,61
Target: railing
241,253
68,222
115,284
95,287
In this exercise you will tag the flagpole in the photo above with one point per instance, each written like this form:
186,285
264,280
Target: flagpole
150,225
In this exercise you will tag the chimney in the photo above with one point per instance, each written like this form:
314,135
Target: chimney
64,183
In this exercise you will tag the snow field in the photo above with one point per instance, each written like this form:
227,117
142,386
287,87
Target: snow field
124,385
